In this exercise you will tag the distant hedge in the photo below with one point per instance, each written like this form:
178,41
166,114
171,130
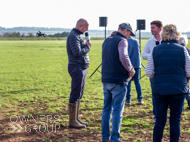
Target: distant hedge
32,38
18,35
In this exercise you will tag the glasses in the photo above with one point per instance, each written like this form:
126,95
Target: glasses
157,42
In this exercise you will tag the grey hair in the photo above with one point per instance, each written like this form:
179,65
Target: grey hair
183,40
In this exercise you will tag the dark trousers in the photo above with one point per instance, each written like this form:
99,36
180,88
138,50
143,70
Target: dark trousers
78,76
153,100
136,79
162,102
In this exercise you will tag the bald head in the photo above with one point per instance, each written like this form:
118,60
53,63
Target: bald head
81,22
82,25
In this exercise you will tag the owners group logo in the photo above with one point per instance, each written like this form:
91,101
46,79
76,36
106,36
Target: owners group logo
30,123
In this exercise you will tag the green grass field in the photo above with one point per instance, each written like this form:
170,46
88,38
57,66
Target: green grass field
34,81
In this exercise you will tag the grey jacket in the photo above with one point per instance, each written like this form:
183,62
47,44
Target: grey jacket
77,50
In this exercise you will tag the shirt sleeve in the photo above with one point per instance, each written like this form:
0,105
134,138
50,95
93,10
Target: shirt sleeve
146,51
123,55
149,71
187,62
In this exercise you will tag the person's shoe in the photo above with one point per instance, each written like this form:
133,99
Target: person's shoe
128,102
73,123
140,102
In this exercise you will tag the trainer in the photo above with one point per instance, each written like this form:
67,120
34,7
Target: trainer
78,58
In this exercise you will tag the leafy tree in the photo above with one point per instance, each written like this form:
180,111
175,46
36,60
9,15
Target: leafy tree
23,35
30,35
63,34
15,34
7,34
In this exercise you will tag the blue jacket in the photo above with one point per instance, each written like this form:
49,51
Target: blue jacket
134,52
112,69
169,62
77,50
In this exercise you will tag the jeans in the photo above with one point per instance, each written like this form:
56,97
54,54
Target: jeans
78,76
114,100
162,102
153,101
136,79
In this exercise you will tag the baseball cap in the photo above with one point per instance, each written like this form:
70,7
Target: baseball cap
128,27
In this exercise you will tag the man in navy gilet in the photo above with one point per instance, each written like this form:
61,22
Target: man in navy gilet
117,70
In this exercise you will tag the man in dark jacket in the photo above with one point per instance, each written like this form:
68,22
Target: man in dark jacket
78,57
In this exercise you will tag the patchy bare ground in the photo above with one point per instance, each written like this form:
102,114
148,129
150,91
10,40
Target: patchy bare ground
32,129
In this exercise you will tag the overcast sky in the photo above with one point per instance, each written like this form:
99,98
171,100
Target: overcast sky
65,13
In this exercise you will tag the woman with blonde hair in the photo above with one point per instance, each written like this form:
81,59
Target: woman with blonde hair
169,65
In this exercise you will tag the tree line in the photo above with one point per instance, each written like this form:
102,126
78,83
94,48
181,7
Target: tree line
18,34
33,29
63,34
